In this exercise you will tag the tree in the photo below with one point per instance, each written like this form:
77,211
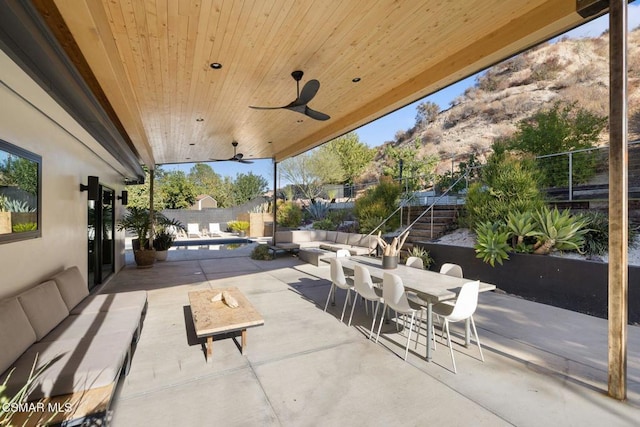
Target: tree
176,190
418,171
427,112
354,155
560,129
248,186
204,179
308,172
19,172
139,194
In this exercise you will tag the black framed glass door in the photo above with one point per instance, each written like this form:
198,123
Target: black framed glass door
100,234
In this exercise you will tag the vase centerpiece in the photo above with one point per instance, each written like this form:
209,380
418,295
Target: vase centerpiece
391,251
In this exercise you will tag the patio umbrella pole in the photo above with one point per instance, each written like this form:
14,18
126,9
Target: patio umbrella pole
618,200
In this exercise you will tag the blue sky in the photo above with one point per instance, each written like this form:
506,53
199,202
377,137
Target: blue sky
384,129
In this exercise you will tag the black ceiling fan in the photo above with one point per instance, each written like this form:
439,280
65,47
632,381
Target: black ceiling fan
300,103
237,157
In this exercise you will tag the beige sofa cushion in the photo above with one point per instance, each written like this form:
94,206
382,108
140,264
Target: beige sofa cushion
318,235
300,236
72,286
112,302
77,326
331,236
16,333
342,238
44,307
77,365
356,239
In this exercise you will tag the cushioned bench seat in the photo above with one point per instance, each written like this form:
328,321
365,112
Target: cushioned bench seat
75,326
86,339
76,364
136,300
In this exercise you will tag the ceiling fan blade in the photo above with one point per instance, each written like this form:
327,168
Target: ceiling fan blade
317,115
308,92
266,108
244,161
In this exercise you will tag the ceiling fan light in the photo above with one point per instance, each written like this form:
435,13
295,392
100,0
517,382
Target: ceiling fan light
356,79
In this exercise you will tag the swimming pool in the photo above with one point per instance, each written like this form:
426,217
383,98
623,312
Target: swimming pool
209,242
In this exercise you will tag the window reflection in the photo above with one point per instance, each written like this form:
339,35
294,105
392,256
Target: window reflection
19,193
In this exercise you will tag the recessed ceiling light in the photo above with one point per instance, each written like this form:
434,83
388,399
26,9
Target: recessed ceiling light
216,65
356,79
187,158
193,143
269,142
300,121
199,119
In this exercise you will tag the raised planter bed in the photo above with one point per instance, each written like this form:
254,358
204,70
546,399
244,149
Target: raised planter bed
566,283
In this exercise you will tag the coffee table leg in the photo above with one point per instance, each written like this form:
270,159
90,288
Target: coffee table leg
209,348
244,341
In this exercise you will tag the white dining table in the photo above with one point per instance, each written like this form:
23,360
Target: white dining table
431,287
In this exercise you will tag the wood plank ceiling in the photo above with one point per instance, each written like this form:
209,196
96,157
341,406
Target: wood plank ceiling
152,59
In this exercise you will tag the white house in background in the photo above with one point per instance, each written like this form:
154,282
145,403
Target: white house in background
204,201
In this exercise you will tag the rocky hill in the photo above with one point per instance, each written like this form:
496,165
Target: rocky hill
569,70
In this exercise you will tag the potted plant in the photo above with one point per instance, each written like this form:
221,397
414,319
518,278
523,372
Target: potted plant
137,222
165,235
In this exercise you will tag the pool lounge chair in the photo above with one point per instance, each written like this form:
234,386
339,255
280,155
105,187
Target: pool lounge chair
193,230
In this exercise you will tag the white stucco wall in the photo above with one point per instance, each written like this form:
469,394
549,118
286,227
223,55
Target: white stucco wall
30,119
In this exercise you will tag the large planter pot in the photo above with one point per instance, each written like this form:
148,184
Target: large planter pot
577,285
145,258
389,262
162,255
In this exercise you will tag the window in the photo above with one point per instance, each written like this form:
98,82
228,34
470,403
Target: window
20,193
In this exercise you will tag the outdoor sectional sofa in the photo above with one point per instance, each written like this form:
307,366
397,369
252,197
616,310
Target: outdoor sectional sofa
87,339
317,244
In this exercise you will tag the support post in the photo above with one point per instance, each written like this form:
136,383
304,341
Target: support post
152,173
618,200
570,176
275,201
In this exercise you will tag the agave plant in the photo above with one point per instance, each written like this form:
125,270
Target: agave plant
491,242
318,210
14,205
521,225
559,230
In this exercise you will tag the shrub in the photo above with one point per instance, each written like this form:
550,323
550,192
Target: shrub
507,184
25,226
238,226
324,224
376,205
289,215
596,239
423,254
261,252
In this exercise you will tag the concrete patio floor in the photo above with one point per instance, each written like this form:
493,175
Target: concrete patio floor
543,365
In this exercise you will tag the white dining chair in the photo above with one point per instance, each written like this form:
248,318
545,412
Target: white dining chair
363,286
451,270
463,309
395,297
338,280
415,262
